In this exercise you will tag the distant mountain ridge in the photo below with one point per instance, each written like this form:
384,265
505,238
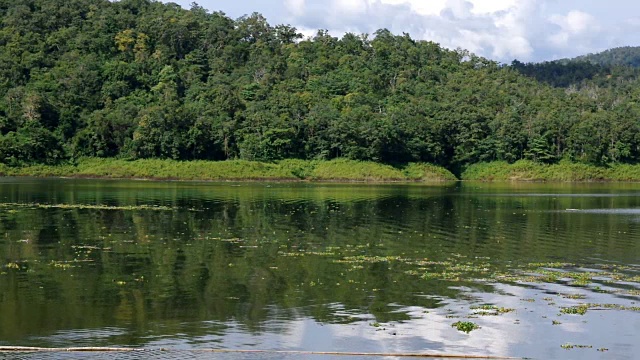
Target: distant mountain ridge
620,56
603,69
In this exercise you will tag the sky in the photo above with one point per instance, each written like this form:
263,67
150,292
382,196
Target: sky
502,30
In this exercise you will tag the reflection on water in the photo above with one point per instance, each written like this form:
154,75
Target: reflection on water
385,268
607,211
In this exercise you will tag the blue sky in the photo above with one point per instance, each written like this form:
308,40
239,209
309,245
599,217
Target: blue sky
503,30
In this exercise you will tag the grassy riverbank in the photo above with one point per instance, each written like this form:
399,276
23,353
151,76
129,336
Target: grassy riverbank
525,170
340,170
285,170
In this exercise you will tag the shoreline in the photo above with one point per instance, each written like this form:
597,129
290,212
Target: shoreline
524,171
323,181
298,171
340,171
239,180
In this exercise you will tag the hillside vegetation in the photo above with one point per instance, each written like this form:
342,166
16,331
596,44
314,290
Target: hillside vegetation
620,56
138,79
613,68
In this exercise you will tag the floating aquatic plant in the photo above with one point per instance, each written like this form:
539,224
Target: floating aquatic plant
575,310
465,326
490,310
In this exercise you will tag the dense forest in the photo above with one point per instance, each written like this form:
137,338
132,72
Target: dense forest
621,56
610,68
142,79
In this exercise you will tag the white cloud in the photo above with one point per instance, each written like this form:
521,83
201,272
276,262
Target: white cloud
575,22
577,29
460,9
296,7
434,7
492,6
421,7
351,6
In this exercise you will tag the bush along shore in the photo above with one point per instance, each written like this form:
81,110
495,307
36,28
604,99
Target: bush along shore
337,170
526,170
237,170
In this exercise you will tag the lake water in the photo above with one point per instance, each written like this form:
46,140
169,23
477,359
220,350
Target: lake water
544,270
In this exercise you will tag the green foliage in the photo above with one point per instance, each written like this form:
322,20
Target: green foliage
526,170
561,73
302,169
30,143
351,170
184,170
148,80
621,56
290,169
465,326
575,310
427,172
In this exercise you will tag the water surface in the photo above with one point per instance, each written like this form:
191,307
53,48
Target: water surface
322,267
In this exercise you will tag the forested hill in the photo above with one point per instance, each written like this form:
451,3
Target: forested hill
621,56
141,79
565,73
607,68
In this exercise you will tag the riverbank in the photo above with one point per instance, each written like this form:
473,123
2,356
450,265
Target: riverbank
237,170
339,170
564,171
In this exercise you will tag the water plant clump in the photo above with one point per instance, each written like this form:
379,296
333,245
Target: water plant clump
613,307
575,310
465,326
12,265
574,296
490,310
572,346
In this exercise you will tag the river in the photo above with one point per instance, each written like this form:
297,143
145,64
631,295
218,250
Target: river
537,270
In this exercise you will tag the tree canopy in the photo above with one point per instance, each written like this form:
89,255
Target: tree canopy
143,79
620,56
